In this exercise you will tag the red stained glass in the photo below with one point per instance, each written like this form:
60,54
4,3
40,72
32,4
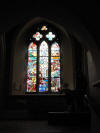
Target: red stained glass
31,84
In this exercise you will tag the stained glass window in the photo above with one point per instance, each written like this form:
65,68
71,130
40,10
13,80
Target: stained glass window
31,67
43,67
55,67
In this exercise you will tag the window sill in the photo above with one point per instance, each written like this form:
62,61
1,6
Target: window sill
52,94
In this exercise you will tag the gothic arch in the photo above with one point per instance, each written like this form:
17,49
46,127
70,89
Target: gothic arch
20,43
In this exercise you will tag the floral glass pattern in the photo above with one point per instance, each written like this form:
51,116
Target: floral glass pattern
50,36
37,36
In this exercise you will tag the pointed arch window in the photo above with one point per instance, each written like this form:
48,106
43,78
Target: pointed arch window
44,61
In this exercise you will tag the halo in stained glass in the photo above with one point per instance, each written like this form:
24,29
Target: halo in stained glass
44,49
55,84
37,36
50,36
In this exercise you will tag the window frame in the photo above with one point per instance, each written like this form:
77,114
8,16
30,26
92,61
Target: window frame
58,39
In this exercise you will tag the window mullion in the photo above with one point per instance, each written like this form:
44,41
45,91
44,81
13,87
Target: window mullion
37,83
49,70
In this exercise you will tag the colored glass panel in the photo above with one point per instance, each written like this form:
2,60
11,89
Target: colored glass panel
44,49
55,58
55,53
32,46
32,53
55,50
37,36
50,36
31,68
55,84
43,84
30,58
55,67
31,84
44,28
55,46
43,67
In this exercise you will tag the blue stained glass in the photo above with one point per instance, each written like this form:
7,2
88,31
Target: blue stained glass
43,85
30,59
